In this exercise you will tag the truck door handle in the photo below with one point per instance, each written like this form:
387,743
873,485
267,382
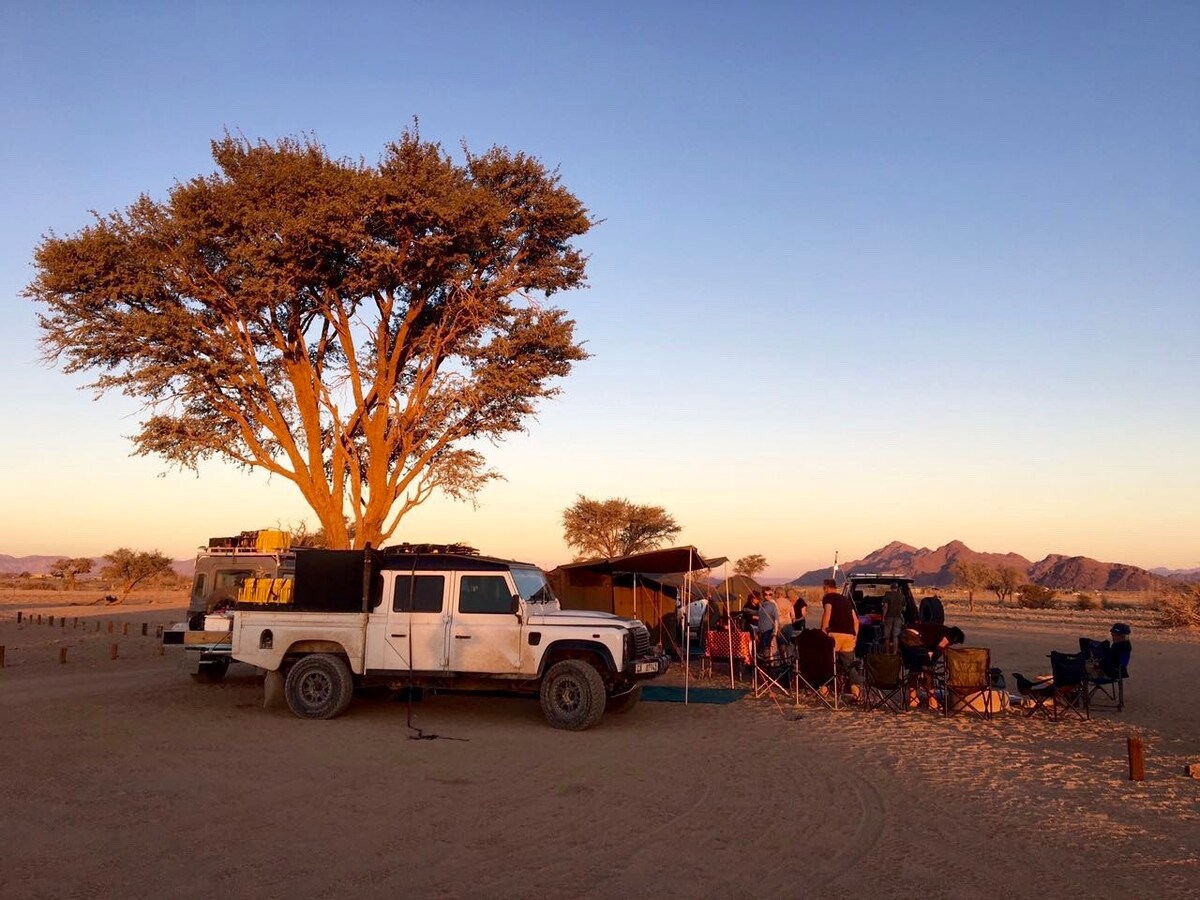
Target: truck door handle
462,637
399,635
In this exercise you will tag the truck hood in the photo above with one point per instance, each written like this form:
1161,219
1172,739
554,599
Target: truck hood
576,617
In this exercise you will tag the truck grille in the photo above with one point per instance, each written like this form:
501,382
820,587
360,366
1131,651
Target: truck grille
641,641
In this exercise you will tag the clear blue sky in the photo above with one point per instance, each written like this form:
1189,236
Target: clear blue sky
867,272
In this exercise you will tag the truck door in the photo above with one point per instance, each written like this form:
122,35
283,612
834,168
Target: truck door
418,621
485,634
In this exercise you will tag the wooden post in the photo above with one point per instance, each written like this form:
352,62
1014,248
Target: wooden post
51,621
125,628
114,651
144,629
1137,757
1,656
62,622
110,627
62,655
75,622
19,615
39,618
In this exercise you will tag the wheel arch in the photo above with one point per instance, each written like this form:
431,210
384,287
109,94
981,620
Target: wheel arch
588,651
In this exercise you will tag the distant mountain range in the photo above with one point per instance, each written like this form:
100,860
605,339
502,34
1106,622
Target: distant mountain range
933,568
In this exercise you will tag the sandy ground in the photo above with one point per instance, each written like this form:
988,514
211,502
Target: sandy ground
126,777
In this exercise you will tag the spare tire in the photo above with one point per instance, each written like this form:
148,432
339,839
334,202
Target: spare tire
932,610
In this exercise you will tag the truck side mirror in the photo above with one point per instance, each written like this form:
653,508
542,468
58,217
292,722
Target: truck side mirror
515,606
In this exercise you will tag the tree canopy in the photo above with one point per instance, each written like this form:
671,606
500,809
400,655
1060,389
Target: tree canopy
67,568
615,527
750,565
354,329
129,568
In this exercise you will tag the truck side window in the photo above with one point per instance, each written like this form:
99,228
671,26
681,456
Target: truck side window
419,593
484,594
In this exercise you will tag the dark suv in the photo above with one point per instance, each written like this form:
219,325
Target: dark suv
866,590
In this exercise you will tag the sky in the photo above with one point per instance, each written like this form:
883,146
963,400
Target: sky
865,271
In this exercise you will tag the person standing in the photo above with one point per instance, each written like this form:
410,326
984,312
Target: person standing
894,602
840,621
768,622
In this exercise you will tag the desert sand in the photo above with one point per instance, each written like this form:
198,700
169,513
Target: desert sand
126,778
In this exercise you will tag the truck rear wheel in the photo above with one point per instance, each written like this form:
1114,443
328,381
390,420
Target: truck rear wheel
573,695
319,686
625,702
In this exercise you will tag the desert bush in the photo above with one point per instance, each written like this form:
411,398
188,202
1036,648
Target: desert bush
1179,607
1086,602
1034,596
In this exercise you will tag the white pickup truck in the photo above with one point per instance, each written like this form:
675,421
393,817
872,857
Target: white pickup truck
436,617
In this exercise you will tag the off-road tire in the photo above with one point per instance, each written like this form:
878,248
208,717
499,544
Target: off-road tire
625,702
933,611
319,686
572,695
212,671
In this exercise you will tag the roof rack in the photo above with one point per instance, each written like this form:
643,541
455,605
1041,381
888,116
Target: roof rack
407,549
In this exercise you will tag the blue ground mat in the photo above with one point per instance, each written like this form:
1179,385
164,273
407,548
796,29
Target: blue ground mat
670,693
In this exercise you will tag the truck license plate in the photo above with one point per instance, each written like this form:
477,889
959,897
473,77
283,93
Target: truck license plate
643,667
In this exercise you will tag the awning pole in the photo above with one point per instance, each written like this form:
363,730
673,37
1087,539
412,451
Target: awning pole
729,625
687,628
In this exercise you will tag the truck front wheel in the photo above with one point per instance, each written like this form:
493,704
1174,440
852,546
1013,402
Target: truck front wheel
319,686
572,695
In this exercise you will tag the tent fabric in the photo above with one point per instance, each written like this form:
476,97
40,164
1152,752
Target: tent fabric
652,562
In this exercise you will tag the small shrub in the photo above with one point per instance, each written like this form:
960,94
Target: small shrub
1034,596
1180,607
1086,602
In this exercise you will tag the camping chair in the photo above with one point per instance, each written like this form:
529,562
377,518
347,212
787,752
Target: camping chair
966,681
1107,667
1037,692
884,682
816,668
1069,685
771,673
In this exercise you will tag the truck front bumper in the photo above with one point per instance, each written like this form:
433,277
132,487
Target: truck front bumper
648,666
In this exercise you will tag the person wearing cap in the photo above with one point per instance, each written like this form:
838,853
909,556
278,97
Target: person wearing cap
1120,651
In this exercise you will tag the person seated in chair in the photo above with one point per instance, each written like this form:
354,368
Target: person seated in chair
1119,650
921,646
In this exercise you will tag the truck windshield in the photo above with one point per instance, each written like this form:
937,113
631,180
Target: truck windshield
532,586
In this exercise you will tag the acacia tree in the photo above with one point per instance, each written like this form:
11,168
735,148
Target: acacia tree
350,328
751,565
67,568
615,527
970,577
1003,582
129,568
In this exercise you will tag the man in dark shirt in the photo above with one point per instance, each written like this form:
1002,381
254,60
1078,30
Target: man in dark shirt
840,622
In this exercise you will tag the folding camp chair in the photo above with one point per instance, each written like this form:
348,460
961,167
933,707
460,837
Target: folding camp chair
966,681
884,682
816,668
771,674
1038,693
1107,667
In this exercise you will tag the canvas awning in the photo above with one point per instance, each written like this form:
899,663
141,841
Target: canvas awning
652,562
